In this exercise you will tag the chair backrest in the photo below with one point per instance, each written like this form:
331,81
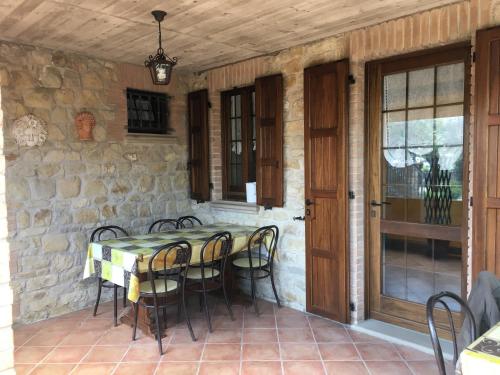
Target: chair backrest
214,253
107,230
165,224
262,245
169,262
189,221
431,303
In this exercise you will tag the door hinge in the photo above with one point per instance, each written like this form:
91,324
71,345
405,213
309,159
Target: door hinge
351,194
352,306
473,56
351,79
471,201
210,185
209,105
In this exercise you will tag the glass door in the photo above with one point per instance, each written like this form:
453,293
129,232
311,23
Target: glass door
417,208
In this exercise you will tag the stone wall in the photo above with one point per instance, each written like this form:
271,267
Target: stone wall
436,27
58,192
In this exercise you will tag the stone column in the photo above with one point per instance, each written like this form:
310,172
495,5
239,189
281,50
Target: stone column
7,342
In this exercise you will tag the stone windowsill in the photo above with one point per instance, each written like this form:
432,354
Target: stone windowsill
236,206
150,138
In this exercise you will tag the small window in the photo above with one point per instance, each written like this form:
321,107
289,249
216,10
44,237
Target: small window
239,141
147,112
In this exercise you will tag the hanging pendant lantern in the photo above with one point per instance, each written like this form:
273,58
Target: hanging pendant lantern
160,66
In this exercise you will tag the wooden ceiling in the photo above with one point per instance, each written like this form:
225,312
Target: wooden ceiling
201,33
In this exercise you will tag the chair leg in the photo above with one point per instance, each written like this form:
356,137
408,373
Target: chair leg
186,314
165,316
124,297
99,288
226,299
158,331
274,289
254,298
207,313
136,315
115,304
200,300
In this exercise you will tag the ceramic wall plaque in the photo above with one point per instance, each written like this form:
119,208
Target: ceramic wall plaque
30,131
85,122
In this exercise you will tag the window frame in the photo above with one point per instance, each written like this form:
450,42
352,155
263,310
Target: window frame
229,192
161,126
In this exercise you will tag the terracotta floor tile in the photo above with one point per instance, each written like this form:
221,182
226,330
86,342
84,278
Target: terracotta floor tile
67,354
60,325
388,368
135,369
303,367
177,368
261,352
224,336
82,338
143,353
264,307
299,352
31,354
317,322
53,369
338,352
378,352
46,339
183,352
116,336
94,369
222,352
331,334
411,354
262,321
426,367
95,324
23,369
286,311
261,368
361,337
21,337
254,335
289,321
219,368
345,368
295,335
182,336
105,354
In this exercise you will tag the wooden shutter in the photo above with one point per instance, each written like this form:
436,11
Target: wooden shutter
269,135
198,145
486,246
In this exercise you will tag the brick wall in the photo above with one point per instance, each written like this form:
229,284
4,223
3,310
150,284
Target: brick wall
445,25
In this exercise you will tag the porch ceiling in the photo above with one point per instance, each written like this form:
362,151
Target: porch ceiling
202,33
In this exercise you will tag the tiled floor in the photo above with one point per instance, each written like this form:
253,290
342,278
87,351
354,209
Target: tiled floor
280,341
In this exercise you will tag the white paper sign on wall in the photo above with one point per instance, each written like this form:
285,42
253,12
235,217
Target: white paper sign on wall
30,131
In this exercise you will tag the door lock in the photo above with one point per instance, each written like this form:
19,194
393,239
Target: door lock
309,202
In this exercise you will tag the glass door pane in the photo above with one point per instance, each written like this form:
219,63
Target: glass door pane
422,170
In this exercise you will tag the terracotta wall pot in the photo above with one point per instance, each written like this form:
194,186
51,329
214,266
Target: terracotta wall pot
84,122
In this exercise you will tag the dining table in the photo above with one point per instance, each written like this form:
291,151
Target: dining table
124,260
483,355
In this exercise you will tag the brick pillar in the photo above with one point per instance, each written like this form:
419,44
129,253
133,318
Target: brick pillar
7,341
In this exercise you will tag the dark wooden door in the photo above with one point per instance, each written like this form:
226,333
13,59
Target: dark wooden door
486,247
325,142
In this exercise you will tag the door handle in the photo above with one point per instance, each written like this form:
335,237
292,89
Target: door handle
309,202
378,204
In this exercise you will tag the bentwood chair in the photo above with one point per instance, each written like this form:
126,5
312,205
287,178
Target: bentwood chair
172,260
189,221
259,260
164,224
440,298
209,275
101,234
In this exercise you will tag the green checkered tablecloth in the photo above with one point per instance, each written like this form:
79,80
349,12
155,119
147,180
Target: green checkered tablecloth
121,260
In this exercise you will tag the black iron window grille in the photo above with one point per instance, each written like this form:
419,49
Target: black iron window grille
147,112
